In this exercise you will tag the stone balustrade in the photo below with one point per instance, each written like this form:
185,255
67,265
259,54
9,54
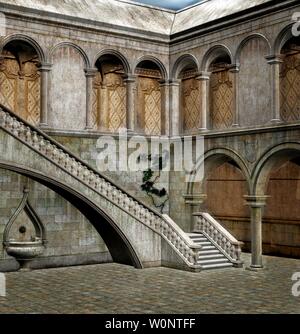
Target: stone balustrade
219,236
57,154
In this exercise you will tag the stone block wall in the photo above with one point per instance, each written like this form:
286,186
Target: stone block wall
72,240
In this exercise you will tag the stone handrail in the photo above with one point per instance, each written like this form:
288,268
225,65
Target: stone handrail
221,238
64,159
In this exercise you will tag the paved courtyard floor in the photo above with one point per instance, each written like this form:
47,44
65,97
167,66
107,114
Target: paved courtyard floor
117,289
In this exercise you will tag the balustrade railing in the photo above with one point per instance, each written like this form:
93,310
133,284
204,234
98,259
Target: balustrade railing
64,159
219,236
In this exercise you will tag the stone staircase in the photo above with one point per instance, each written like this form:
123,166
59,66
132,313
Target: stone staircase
210,257
44,159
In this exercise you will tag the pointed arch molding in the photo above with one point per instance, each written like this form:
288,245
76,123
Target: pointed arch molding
34,218
20,37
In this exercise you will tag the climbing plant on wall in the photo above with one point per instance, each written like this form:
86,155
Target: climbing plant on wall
159,197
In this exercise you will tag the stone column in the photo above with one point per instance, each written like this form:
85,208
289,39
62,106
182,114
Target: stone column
44,69
256,204
90,74
235,71
195,200
204,89
175,108
130,103
165,108
275,62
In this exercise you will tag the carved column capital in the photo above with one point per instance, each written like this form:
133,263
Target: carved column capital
175,82
256,201
130,78
43,67
203,76
234,68
90,72
274,59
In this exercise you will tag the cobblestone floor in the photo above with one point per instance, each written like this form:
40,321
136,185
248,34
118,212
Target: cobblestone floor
117,289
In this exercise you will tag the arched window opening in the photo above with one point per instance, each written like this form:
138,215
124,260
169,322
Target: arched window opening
290,81
221,93
109,95
20,80
149,98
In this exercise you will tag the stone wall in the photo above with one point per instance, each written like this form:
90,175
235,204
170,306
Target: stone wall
72,240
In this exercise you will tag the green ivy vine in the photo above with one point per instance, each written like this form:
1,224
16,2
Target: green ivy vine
148,186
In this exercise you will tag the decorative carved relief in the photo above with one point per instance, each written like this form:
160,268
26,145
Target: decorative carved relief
290,88
191,104
149,105
20,85
109,103
221,99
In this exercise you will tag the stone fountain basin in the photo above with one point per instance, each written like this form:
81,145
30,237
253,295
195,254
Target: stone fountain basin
25,250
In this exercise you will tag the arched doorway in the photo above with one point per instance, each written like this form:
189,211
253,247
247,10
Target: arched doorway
20,82
109,94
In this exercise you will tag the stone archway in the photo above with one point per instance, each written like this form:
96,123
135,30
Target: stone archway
109,94
225,179
272,160
118,244
150,110
20,80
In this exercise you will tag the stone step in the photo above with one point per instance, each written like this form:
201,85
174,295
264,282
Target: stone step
208,247
204,243
211,256
213,261
217,266
196,240
209,252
